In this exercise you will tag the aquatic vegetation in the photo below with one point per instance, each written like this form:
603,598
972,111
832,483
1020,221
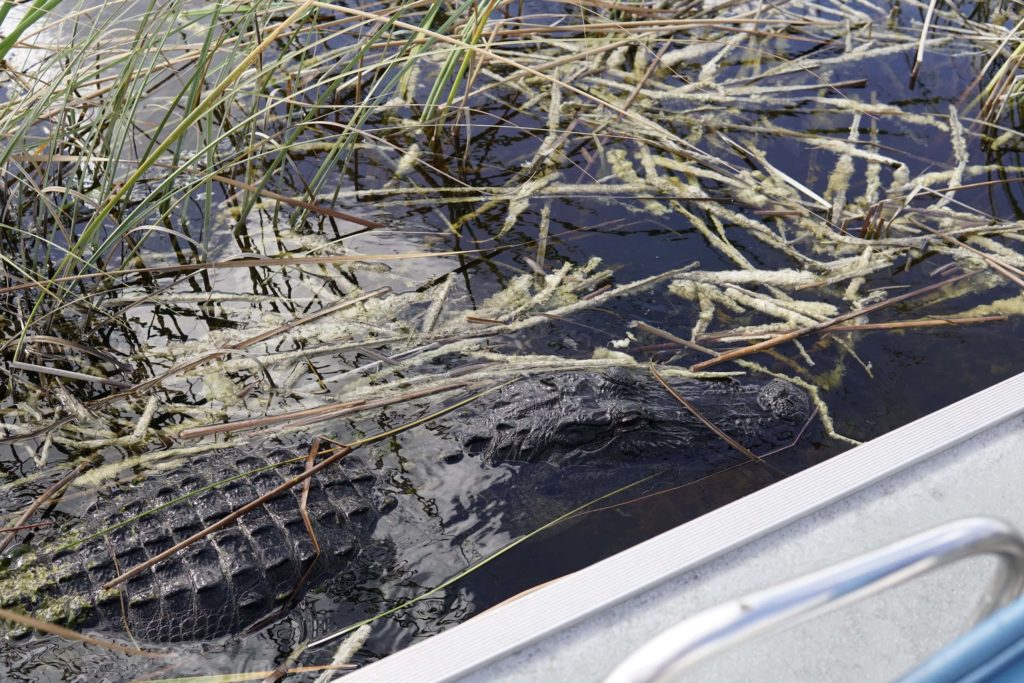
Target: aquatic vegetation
228,222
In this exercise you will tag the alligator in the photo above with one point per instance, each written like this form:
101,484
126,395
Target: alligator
537,427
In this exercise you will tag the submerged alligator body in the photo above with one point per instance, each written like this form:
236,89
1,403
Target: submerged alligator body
217,586
245,573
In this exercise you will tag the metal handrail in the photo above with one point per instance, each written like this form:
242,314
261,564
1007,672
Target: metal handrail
718,628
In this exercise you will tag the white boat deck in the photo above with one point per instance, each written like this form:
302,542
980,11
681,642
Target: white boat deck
964,460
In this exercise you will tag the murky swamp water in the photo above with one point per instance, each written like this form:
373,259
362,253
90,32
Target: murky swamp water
871,380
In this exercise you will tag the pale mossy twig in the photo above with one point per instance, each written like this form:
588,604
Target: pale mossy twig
347,649
919,56
439,298
313,415
813,391
782,338
95,477
925,322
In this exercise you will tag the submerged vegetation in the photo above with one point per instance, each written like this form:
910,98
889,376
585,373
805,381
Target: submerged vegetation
233,220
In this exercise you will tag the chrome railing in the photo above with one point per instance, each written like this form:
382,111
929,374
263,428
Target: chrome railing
667,655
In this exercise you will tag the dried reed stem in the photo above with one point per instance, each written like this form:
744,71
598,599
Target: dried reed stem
789,336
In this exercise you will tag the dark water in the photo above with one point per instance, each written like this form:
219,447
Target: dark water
897,376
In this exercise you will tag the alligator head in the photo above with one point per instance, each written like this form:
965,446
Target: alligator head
621,414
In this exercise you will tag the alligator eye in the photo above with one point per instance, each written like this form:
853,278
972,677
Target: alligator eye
630,420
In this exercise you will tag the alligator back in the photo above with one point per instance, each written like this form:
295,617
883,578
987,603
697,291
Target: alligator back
220,584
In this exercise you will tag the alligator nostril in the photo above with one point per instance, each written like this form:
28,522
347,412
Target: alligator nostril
476,445
784,400
451,458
